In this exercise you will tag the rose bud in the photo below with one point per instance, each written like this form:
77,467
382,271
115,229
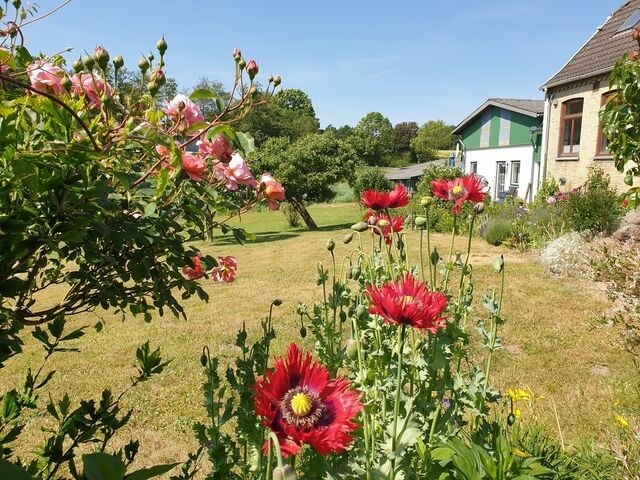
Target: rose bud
161,45
118,62
101,56
277,80
242,64
78,66
66,83
252,69
158,77
237,55
143,65
89,63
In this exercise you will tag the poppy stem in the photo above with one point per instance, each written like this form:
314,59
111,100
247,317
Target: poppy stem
396,407
432,278
276,445
365,416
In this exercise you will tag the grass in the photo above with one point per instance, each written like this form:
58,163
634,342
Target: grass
550,342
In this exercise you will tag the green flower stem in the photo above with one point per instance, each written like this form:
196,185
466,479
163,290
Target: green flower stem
422,258
448,269
432,277
365,417
276,444
396,407
434,422
494,330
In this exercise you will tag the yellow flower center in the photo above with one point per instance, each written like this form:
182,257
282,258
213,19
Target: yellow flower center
407,299
383,223
301,404
457,190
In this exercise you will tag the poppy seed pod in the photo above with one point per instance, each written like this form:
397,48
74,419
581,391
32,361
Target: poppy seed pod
359,227
331,245
420,223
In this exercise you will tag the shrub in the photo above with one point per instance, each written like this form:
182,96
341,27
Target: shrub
370,178
343,193
549,188
594,206
497,231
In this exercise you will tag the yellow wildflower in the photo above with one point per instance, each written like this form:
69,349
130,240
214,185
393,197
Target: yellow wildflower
621,421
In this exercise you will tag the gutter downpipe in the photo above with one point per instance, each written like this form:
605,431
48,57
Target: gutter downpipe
542,172
462,151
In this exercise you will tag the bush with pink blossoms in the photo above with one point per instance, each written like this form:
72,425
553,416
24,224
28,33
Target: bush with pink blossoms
102,193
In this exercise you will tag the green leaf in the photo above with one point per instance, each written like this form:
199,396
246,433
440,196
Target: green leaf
13,471
145,473
163,181
10,405
246,142
102,466
203,93
7,59
154,115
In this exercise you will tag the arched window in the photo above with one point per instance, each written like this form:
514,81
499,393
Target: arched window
570,126
602,149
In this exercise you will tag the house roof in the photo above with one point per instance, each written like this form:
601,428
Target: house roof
601,52
531,108
412,171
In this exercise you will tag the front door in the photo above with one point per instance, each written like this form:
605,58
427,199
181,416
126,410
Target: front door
501,176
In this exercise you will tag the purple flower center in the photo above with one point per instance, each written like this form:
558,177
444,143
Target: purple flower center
301,407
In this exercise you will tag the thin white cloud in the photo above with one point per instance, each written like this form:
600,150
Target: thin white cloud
380,74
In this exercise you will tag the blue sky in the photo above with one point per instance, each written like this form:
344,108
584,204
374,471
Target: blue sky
410,60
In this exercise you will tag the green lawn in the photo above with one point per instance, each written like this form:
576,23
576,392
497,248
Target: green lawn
550,345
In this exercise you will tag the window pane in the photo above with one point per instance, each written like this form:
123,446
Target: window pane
515,173
577,125
574,106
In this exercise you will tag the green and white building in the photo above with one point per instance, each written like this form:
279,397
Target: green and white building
500,141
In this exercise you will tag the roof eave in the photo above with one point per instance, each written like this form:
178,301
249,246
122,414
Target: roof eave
577,78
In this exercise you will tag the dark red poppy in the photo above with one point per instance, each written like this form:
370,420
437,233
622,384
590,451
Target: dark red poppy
408,301
459,190
300,403
377,200
383,224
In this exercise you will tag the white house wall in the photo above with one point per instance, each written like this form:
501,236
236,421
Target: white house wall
488,158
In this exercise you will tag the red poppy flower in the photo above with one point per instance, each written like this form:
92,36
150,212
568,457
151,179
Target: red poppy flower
301,404
383,224
377,200
408,301
197,270
459,190
398,197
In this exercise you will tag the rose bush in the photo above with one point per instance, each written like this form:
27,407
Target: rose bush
102,191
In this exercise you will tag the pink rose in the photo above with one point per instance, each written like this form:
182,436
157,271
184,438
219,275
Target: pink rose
194,166
226,270
219,149
182,110
273,191
235,173
93,86
46,76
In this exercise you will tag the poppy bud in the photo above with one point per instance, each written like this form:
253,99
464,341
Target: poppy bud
426,201
161,45
347,238
101,56
420,223
434,257
252,69
277,302
331,245
303,331
498,264
351,348
511,419
359,227
361,312
343,316
203,359
478,208
277,80
118,62
356,271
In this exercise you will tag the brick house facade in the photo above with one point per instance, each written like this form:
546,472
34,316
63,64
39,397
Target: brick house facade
572,134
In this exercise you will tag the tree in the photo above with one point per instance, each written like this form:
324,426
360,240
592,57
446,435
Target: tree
210,106
404,132
292,117
374,137
432,136
308,167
